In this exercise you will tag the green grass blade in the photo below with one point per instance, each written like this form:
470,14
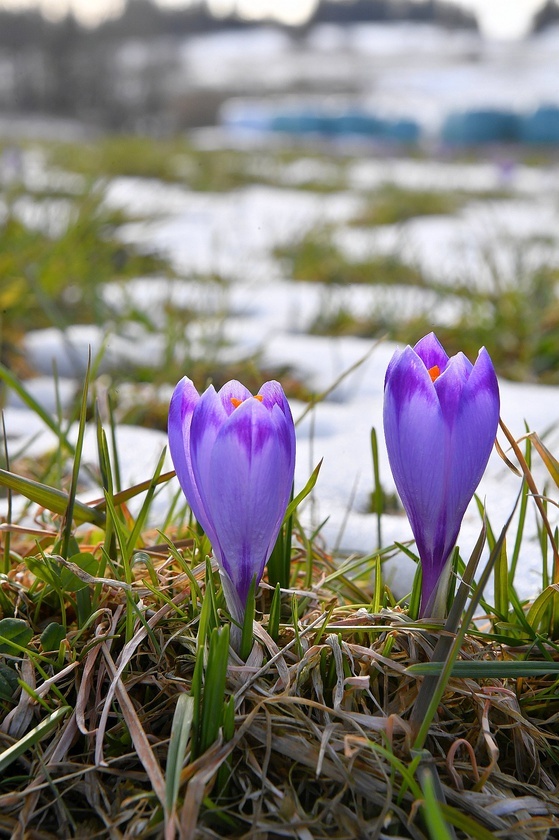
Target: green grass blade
104,459
194,585
209,618
541,607
292,507
50,498
114,447
447,650
415,597
228,729
275,614
501,583
9,379
432,810
278,570
144,510
551,463
12,753
69,514
6,563
469,826
122,537
196,694
377,592
519,532
487,670
180,732
402,769
377,497
131,492
214,687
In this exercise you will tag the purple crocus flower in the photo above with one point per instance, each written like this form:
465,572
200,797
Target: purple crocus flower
440,422
234,455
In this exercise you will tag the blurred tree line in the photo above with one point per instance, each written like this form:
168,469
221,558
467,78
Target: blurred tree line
103,76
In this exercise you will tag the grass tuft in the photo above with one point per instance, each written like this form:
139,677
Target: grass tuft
118,680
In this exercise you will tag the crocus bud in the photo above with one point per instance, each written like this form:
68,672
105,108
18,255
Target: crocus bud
234,455
440,422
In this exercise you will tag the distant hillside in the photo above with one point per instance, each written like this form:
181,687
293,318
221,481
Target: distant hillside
429,11
145,19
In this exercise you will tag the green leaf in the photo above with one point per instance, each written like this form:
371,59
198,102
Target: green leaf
52,636
15,635
46,570
8,682
71,582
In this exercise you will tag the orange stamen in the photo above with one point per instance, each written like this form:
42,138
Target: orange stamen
434,372
236,403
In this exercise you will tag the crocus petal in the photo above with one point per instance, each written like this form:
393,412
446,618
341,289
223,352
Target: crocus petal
431,352
439,435
231,394
207,420
449,386
273,397
183,403
272,394
414,428
249,482
473,434
232,599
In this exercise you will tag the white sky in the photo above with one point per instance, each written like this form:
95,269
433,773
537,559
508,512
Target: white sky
497,18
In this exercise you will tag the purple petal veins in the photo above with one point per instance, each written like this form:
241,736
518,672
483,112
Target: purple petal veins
440,422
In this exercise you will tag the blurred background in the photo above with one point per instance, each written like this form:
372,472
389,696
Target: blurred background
392,68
